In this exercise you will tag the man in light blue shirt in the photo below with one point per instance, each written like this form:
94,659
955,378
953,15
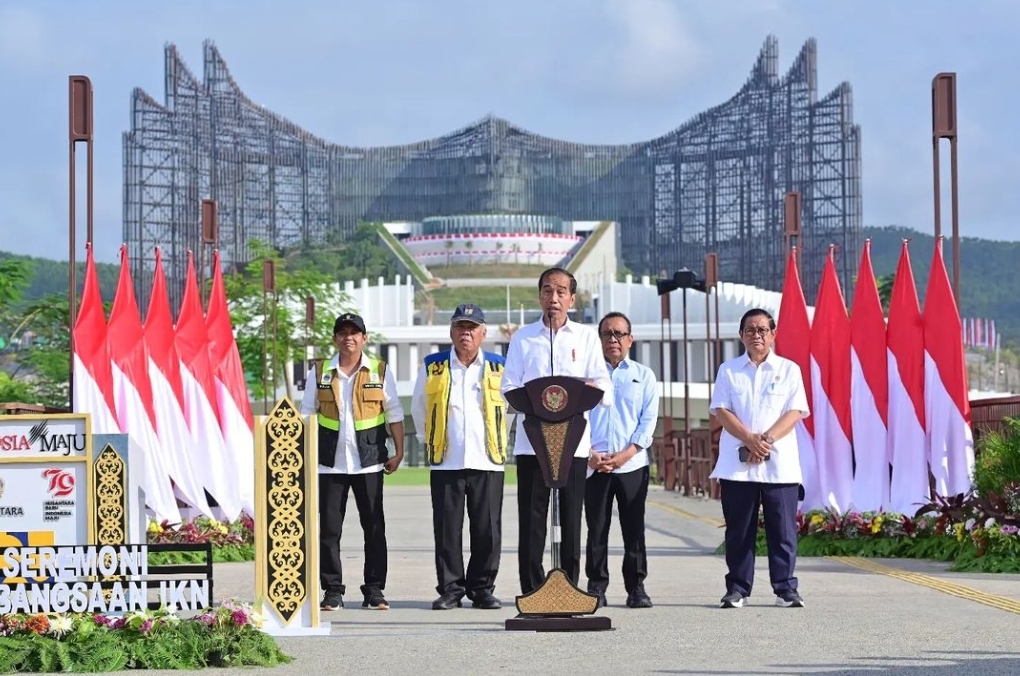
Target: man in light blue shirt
618,466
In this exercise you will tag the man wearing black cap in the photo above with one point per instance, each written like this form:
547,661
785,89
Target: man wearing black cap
354,400
460,417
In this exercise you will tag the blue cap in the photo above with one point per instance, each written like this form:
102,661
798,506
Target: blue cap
468,312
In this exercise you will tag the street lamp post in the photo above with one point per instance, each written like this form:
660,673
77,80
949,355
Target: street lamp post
79,114
943,126
682,279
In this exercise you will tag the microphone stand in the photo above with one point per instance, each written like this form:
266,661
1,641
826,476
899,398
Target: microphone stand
556,531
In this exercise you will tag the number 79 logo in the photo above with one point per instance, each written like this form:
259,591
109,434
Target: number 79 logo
61,482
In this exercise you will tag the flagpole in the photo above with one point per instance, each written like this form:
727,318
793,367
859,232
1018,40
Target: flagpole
998,345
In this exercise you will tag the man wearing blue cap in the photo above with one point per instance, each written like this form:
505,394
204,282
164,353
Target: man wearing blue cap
460,417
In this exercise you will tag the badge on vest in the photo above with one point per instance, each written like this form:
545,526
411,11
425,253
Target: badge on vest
372,386
327,378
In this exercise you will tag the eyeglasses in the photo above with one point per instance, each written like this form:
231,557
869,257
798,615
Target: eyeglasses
618,335
756,331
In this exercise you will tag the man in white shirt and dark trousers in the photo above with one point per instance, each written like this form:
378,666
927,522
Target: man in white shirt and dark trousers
460,417
354,399
758,399
618,467
573,350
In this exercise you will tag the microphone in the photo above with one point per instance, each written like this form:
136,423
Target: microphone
549,316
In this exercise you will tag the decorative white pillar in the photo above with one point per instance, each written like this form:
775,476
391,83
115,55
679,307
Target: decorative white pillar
413,362
391,359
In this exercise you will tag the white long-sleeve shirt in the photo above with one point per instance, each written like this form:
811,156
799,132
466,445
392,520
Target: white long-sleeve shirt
465,418
576,351
347,459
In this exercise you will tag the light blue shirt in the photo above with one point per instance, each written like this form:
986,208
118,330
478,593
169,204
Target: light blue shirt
632,417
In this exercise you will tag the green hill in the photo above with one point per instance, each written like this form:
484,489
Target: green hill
50,276
989,274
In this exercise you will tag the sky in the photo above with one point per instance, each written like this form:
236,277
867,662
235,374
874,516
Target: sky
595,71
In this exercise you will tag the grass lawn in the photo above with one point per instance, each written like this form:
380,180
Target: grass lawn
489,298
490,270
419,476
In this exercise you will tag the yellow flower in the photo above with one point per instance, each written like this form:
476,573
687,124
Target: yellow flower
154,527
876,525
817,520
958,528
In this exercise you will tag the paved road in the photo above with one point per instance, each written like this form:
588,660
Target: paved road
879,618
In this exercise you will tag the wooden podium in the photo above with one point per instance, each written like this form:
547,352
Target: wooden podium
553,409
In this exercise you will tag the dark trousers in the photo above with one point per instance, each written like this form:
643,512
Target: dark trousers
368,495
482,490
532,512
740,503
629,490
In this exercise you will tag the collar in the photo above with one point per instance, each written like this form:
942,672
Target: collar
455,360
770,360
540,327
624,363
334,363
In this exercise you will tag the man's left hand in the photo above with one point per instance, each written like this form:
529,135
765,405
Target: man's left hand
393,463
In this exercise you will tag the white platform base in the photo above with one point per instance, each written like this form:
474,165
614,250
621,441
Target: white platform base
322,630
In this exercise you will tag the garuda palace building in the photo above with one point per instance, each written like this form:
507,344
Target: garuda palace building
716,183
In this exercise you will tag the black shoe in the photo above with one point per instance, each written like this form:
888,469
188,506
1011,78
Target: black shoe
332,600
733,599
486,601
601,593
376,601
638,599
447,601
789,599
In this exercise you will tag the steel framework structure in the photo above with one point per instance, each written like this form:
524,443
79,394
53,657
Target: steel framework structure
714,184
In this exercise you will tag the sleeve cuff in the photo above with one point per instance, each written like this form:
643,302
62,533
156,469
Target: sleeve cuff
642,441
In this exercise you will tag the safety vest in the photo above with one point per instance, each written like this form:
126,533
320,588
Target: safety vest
369,412
437,405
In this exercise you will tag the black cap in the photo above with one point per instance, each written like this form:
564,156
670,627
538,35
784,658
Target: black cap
468,312
349,318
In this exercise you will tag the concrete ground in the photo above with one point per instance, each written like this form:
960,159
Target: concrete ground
883,618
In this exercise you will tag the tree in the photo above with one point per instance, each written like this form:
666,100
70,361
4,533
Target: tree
250,319
885,287
516,248
359,256
37,373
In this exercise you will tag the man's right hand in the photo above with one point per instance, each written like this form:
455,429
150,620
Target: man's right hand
596,460
757,445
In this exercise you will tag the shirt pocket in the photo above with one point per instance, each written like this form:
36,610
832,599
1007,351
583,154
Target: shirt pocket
372,392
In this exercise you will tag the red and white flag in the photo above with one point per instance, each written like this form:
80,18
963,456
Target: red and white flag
946,402
908,489
231,390
192,342
185,461
133,393
93,374
793,342
830,383
869,392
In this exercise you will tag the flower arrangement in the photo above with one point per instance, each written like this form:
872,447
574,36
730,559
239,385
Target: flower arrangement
972,533
227,635
231,541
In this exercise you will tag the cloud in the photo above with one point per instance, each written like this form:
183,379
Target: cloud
658,50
